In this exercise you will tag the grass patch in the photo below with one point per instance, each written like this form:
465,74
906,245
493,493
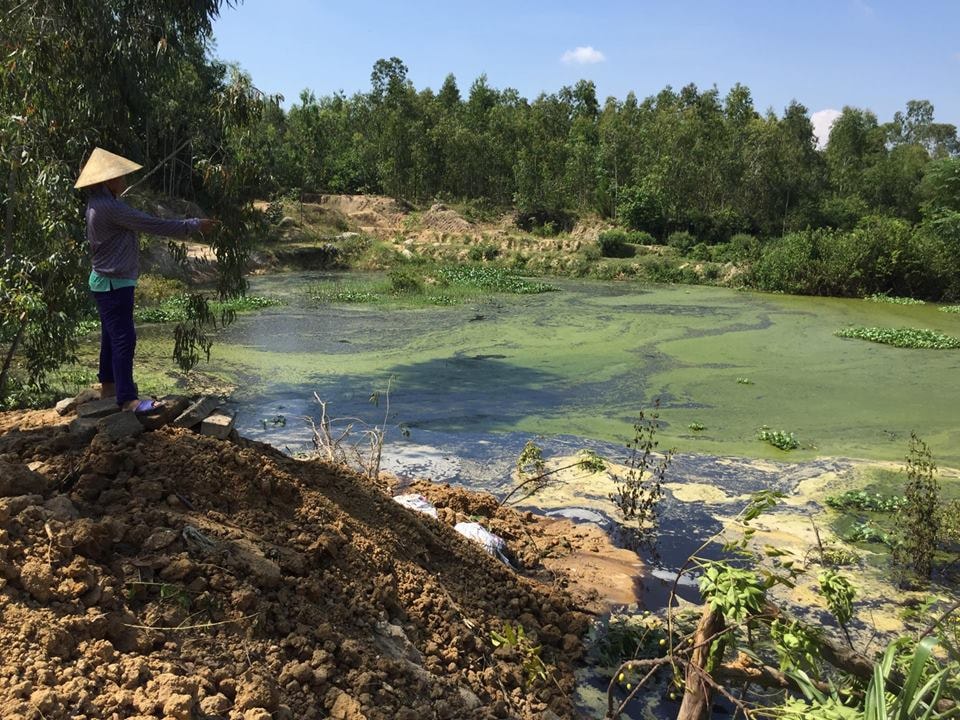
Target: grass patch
422,286
883,298
903,337
950,309
175,309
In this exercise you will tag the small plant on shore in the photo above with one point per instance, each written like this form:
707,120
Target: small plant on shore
914,338
334,438
785,441
533,476
919,520
514,637
640,489
741,626
839,594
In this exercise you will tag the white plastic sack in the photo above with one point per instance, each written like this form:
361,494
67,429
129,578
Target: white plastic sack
493,544
418,503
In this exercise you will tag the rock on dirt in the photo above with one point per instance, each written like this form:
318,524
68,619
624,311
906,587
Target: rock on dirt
187,577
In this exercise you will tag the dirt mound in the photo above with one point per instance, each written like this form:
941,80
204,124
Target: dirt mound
177,576
441,219
373,214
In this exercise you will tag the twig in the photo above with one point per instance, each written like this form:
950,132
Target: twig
191,627
157,166
934,625
816,533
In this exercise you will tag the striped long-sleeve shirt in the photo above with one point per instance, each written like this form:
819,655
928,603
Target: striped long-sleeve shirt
112,228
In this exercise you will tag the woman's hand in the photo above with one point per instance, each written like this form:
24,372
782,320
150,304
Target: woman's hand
208,225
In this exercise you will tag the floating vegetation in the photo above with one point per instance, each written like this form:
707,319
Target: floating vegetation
950,309
778,438
868,532
491,278
744,381
696,427
343,295
884,298
418,286
903,337
274,421
862,500
175,309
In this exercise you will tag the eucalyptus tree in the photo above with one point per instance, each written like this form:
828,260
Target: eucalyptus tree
130,76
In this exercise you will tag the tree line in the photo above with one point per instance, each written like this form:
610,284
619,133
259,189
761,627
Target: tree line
689,160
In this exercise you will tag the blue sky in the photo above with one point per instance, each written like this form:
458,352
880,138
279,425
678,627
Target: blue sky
825,53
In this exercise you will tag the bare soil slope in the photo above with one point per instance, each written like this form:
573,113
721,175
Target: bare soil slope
177,576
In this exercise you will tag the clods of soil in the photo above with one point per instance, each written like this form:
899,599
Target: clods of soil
175,576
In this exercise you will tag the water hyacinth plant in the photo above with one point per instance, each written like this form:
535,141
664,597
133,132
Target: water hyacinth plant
903,337
882,298
778,438
863,500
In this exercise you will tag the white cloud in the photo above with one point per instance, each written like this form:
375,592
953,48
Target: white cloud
583,56
822,122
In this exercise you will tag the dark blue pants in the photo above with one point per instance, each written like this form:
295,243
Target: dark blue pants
118,340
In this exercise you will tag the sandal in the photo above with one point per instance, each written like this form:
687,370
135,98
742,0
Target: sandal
146,408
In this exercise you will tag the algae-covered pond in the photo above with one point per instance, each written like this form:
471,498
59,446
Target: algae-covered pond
470,384
581,362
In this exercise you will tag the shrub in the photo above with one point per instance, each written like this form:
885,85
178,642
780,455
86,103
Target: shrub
485,251
641,209
701,252
403,280
592,253
614,244
155,289
682,241
741,248
920,517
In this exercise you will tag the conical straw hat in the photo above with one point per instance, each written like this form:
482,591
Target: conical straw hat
104,165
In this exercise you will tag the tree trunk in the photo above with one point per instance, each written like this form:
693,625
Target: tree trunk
697,693
5,372
11,204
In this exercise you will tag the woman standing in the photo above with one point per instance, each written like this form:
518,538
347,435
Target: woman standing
112,228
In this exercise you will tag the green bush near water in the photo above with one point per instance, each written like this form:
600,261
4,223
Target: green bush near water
950,309
915,338
881,255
